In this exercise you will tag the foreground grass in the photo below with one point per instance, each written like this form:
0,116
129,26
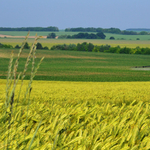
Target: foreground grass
80,115
82,66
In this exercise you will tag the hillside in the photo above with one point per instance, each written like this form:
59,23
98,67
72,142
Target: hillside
82,66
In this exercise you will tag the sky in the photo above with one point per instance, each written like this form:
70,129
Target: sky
63,14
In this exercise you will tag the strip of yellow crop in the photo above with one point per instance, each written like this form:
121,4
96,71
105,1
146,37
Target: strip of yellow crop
50,42
82,115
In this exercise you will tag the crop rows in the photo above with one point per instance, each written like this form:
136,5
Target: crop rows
78,115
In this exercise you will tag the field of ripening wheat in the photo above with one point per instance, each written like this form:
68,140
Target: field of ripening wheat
77,116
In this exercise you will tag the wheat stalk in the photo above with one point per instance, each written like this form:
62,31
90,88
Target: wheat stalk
11,87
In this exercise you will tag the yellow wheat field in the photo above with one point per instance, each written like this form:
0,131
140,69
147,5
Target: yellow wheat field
79,116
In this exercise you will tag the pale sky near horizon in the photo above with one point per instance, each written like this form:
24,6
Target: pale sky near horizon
63,14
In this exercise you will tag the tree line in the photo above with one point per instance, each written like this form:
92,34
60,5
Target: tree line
79,29
108,30
89,47
99,35
102,48
30,29
26,46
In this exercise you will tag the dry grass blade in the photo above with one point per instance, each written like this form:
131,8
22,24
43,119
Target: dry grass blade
34,135
10,94
9,79
17,61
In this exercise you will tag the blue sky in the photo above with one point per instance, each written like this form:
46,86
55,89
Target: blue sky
63,14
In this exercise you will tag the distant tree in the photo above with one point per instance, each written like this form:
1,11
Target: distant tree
6,46
85,47
17,46
46,48
99,30
102,48
143,33
1,45
26,46
69,36
82,47
125,50
112,30
138,52
81,35
128,32
92,36
72,47
101,35
39,46
95,49
30,29
137,39
91,29
52,29
90,47
51,35
122,39
114,49
112,38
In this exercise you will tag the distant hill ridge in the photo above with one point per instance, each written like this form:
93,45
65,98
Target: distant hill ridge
50,28
138,29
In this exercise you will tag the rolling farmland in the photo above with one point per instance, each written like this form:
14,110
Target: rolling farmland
78,100
82,66
121,40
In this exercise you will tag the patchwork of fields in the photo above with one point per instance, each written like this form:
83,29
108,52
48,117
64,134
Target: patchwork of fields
65,113
121,40
108,35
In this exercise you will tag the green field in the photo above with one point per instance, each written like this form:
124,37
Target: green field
82,66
